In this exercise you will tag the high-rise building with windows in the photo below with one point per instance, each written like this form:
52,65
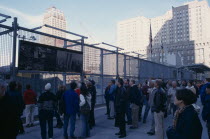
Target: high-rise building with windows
180,37
55,18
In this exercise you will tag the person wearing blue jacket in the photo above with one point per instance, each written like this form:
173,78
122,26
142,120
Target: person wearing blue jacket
71,101
202,91
112,93
206,109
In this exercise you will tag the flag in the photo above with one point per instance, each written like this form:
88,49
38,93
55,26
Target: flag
150,39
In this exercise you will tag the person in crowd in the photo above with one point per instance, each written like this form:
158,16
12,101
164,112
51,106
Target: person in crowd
85,107
146,98
206,110
135,100
191,87
120,104
195,84
106,96
92,90
171,95
184,84
142,101
22,106
46,107
77,90
159,108
128,107
112,93
186,124
10,109
151,101
59,98
169,85
71,101
30,102
203,95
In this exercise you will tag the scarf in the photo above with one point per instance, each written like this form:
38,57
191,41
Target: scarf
177,114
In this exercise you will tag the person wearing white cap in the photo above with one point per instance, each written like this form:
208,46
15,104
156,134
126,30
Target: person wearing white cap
46,107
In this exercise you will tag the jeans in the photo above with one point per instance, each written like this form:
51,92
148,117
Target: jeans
85,126
92,116
111,107
146,111
159,125
107,107
72,124
129,113
30,114
59,121
135,115
153,123
46,117
173,107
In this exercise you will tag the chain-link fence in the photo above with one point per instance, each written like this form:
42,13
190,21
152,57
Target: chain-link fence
99,64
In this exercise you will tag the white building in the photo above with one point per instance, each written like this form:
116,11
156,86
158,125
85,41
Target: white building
54,17
183,32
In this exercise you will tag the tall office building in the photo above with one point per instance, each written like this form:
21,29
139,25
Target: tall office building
180,37
54,17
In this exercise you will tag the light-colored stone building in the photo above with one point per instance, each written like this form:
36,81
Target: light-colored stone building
180,37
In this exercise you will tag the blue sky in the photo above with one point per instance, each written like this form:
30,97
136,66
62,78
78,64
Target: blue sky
95,18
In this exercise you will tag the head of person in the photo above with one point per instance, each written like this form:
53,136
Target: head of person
132,82
47,87
28,86
184,83
170,83
3,87
73,85
83,89
207,80
120,82
61,88
158,83
89,84
208,89
184,97
190,83
110,83
174,84
12,86
140,85
151,83
113,82
126,82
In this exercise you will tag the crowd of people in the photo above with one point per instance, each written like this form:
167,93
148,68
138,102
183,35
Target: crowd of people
125,102
79,101
126,99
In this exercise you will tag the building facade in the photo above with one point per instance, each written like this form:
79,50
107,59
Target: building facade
180,37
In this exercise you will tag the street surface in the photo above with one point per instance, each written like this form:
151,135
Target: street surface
104,129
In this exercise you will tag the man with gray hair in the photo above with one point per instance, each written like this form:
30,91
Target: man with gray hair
171,96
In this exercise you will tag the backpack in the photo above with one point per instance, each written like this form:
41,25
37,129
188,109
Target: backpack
85,109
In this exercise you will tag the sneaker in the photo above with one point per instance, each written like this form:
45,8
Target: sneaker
151,133
117,133
132,127
28,125
122,136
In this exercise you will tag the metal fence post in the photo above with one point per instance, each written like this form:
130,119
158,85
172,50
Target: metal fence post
15,26
82,50
102,74
117,60
64,75
124,66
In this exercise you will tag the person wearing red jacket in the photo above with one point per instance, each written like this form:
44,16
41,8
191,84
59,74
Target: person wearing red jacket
30,101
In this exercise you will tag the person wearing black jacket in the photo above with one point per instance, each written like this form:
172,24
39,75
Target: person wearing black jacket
10,110
58,110
120,109
46,108
186,124
159,108
92,91
106,96
135,99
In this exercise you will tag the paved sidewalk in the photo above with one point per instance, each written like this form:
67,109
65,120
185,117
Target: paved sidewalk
104,129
